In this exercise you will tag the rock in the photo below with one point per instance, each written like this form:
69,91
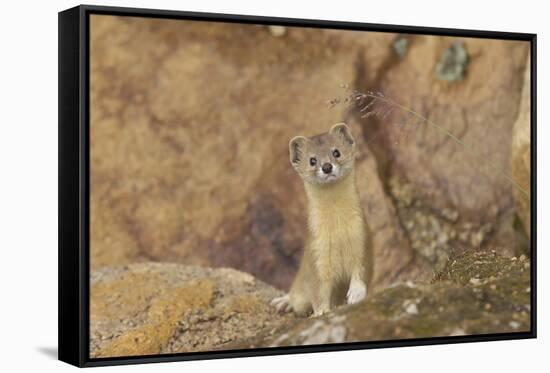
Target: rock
153,308
521,155
411,308
190,123
452,63
161,191
448,305
401,45
475,281
479,110
393,255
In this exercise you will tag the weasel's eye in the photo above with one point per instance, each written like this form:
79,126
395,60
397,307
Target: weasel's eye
336,153
312,161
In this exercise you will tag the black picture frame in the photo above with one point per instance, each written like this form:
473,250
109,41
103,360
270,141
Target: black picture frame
74,169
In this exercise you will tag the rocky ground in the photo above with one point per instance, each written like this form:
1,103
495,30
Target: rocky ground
152,308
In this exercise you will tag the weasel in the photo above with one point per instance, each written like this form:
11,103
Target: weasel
336,264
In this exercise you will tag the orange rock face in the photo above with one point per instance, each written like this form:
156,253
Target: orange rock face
190,124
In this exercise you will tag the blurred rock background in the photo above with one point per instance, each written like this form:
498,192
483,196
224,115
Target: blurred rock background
190,123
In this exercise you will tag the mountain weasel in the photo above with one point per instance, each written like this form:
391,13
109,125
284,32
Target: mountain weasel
336,264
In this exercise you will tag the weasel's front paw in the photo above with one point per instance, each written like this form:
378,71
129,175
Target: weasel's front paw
320,312
357,292
282,304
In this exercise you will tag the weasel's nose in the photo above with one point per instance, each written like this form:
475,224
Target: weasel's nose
327,168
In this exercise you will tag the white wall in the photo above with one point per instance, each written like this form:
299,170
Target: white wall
28,183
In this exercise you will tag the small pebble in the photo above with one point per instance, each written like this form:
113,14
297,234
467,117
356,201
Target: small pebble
412,309
458,331
338,334
475,281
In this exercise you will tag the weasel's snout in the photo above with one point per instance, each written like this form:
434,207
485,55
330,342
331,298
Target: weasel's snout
327,168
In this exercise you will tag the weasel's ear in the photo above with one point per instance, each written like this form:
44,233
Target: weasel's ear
296,148
342,130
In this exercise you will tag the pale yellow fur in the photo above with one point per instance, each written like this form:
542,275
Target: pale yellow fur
336,249
336,266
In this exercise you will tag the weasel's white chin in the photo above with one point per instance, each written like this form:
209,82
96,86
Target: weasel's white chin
325,179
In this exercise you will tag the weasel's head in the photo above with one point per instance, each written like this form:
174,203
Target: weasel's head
325,158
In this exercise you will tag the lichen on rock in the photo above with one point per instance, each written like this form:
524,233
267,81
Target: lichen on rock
433,233
155,308
498,301
453,62
401,45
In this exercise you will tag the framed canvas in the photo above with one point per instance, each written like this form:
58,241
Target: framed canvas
235,186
